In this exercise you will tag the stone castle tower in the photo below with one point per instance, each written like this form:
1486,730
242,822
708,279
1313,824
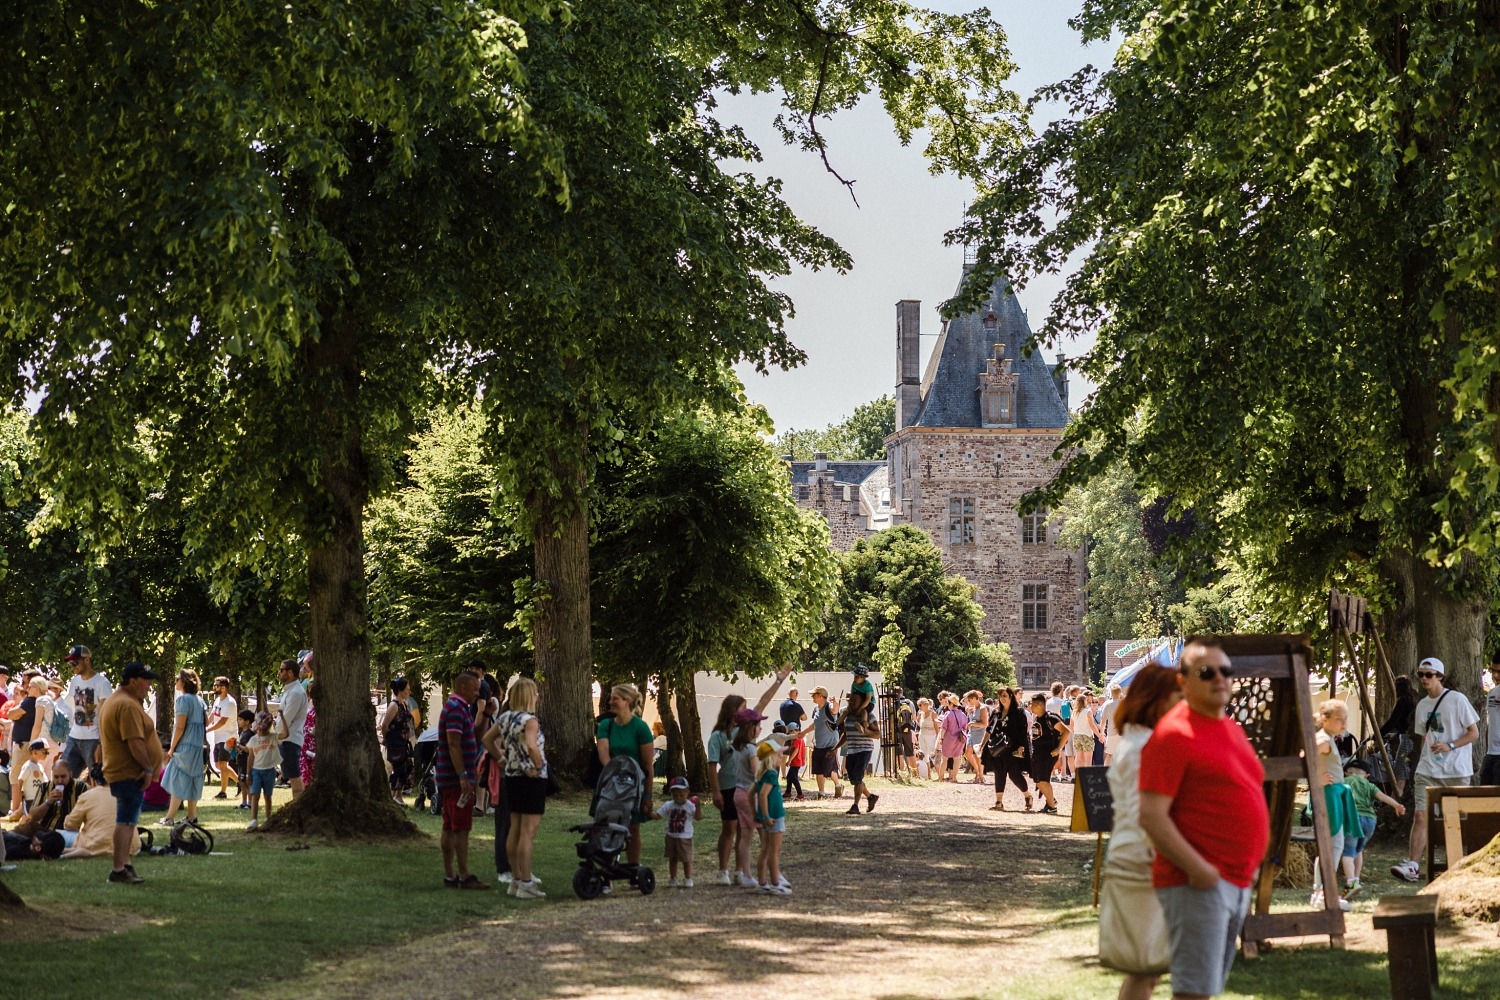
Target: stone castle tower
974,434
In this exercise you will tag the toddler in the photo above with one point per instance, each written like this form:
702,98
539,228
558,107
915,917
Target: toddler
1356,777
680,811
33,778
241,748
770,814
264,746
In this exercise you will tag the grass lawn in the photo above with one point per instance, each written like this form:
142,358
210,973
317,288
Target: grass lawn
254,911
930,896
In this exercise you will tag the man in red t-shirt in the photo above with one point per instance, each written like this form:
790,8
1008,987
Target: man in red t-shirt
1203,807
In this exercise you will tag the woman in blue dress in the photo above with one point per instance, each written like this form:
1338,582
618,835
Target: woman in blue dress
183,778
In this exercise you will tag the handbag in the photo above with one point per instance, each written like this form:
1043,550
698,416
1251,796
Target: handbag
1132,930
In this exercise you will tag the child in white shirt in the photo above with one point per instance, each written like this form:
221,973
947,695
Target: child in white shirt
679,812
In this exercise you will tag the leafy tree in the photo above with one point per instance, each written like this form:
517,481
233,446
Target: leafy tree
1284,215
897,607
861,436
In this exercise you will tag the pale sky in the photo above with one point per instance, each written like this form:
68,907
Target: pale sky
847,323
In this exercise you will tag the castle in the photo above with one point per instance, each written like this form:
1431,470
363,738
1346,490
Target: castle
973,435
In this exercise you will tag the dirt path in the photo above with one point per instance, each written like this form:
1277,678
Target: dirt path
902,903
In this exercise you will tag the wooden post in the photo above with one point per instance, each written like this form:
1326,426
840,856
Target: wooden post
1365,706
1098,861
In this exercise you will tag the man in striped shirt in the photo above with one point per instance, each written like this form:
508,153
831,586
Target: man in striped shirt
457,757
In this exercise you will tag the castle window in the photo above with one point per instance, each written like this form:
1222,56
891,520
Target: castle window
1032,675
961,521
1034,528
1034,606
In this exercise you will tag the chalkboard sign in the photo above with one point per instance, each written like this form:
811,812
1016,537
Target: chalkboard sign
1093,805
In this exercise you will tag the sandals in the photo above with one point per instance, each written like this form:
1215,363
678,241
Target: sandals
467,882
1028,803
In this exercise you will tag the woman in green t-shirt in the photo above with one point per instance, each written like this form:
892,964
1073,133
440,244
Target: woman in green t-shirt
624,733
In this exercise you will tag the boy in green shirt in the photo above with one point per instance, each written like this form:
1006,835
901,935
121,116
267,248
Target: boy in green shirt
1356,778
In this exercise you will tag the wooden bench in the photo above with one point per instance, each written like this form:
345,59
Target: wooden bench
1410,925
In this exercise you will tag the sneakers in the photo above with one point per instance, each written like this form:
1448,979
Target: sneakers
221,795
511,886
776,889
1050,810
872,798
781,881
1352,889
852,810
687,883
746,882
674,883
838,790
243,805
253,825
724,879
126,876
1316,902
1407,871
504,877
528,890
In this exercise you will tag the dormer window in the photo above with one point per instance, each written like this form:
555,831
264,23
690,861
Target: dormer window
997,391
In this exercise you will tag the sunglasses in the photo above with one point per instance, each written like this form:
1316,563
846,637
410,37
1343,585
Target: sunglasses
1212,673
1424,674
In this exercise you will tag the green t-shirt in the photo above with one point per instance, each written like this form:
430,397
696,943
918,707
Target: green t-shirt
775,808
1364,794
626,740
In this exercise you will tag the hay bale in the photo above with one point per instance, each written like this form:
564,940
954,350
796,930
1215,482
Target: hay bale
1297,873
1470,890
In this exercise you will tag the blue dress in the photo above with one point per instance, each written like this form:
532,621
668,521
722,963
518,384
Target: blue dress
184,776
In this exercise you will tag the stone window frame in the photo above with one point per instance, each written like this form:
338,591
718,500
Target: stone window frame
1035,598
1034,528
963,519
1032,675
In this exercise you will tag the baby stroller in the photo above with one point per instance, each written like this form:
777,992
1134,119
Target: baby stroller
617,795
424,782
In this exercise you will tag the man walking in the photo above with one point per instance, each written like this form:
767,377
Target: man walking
792,711
457,757
132,756
1448,726
825,755
293,712
86,692
1203,807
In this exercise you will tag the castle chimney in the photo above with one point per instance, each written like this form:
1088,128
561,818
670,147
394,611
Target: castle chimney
820,461
908,361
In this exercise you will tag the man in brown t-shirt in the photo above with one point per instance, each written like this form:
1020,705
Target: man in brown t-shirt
132,756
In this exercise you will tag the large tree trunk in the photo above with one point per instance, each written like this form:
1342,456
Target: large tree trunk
675,765
561,631
695,754
166,695
350,794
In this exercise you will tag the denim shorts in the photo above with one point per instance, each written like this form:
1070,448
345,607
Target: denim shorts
1202,925
1352,844
262,779
778,825
128,798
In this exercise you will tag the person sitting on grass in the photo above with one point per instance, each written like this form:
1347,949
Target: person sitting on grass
44,846
61,798
91,822
264,746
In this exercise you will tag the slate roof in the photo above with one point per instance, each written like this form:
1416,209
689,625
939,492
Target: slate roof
844,473
950,388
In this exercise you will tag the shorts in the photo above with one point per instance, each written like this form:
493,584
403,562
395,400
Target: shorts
79,754
1083,743
778,825
129,795
1042,765
680,849
525,795
858,763
1489,769
291,761
825,761
904,746
727,812
1203,925
742,810
456,818
262,780
1426,781
1353,845
222,754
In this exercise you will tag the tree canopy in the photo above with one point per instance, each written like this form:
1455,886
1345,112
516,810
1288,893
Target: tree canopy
859,437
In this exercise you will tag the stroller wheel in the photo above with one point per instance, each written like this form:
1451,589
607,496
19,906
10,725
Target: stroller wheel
645,880
587,883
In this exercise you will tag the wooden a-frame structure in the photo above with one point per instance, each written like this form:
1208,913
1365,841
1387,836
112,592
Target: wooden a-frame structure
1274,706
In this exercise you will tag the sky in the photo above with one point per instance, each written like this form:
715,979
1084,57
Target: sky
847,323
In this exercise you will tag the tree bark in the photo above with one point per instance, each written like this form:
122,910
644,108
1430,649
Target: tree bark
675,764
695,754
9,899
561,631
166,694
349,794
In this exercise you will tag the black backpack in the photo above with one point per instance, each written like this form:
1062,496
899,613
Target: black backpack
186,838
904,719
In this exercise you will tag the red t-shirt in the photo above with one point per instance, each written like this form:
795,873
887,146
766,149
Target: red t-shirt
1214,777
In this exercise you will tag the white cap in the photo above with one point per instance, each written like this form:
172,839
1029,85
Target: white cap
1432,663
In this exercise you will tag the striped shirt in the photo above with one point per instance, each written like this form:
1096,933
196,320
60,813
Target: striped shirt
457,718
855,740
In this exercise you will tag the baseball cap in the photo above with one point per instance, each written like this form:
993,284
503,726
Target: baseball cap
745,715
676,783
1357,764
1432,663
136,670
861,670
766,749
77,653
